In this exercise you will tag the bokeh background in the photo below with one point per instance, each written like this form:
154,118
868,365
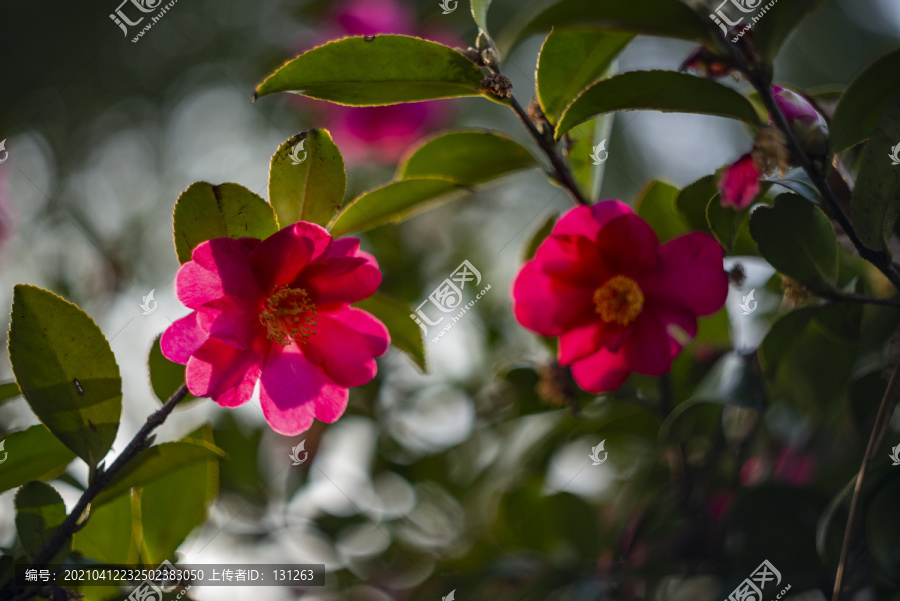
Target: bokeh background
463,478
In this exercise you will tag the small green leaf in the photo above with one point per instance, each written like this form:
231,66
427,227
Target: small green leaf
9,391
809,253
165,376
666,91
394,202
112,532
397,317
167,519
586,140
875,200
655,202
724,222
204,212
377,70
540,235
32,454
66,370
570,61
781,336
479,13
312,190
666,18
798,182
466,157
39,511
864,101
778,22
732,381
692,201
155,462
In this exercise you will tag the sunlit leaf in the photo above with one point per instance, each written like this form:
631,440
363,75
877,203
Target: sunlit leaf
39,512
540,234
397,317
9,391
655,202
165,376
32,454
112,532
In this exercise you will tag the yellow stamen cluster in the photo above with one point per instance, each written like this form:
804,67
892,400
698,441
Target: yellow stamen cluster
619,300
289,314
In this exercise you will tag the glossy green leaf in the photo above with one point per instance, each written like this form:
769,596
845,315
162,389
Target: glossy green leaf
205,211
809,253
863,103
39,512
798,182
656,204
875,200
572,60
66,370
165,376
397,317
395,202
692,201
112,532
666,18
168,518
155,462
539,235
466,157
666,91
9,391
724,222
779,20
782,335
377,70
584,142
307,179
732,381
479,13
32,454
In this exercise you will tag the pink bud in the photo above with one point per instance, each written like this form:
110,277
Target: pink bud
807,125
739,183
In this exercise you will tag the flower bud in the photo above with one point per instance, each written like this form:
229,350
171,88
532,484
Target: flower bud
807,125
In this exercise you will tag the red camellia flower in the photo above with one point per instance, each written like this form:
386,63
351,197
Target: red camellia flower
618,300
739,183
278,312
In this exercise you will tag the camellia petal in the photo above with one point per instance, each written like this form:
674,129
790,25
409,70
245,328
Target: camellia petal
280,258
602,371
182,339
690,274
345,345
588,221
218,268
546,305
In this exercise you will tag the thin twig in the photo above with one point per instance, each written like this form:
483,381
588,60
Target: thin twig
71,524
848,297
888,402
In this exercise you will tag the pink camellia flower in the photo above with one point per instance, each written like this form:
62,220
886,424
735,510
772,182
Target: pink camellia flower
278,312
380,133
739,183
807,125
618,300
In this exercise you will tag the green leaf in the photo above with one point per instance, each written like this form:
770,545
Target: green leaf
394,202
377,70
165,376
155,462
883,527
777,24
66,370
9,391
666,18
312,190
655,202
39,512
167,519
112,532
570,61
396,316
692,201
479,13
666,91
781,336
241,474
579,151
724,222
809,253
540,235
797,181
466,157
204,212
732,381
875,200
32,454
865,100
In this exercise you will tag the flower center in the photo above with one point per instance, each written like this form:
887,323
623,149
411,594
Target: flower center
619,300
289,314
